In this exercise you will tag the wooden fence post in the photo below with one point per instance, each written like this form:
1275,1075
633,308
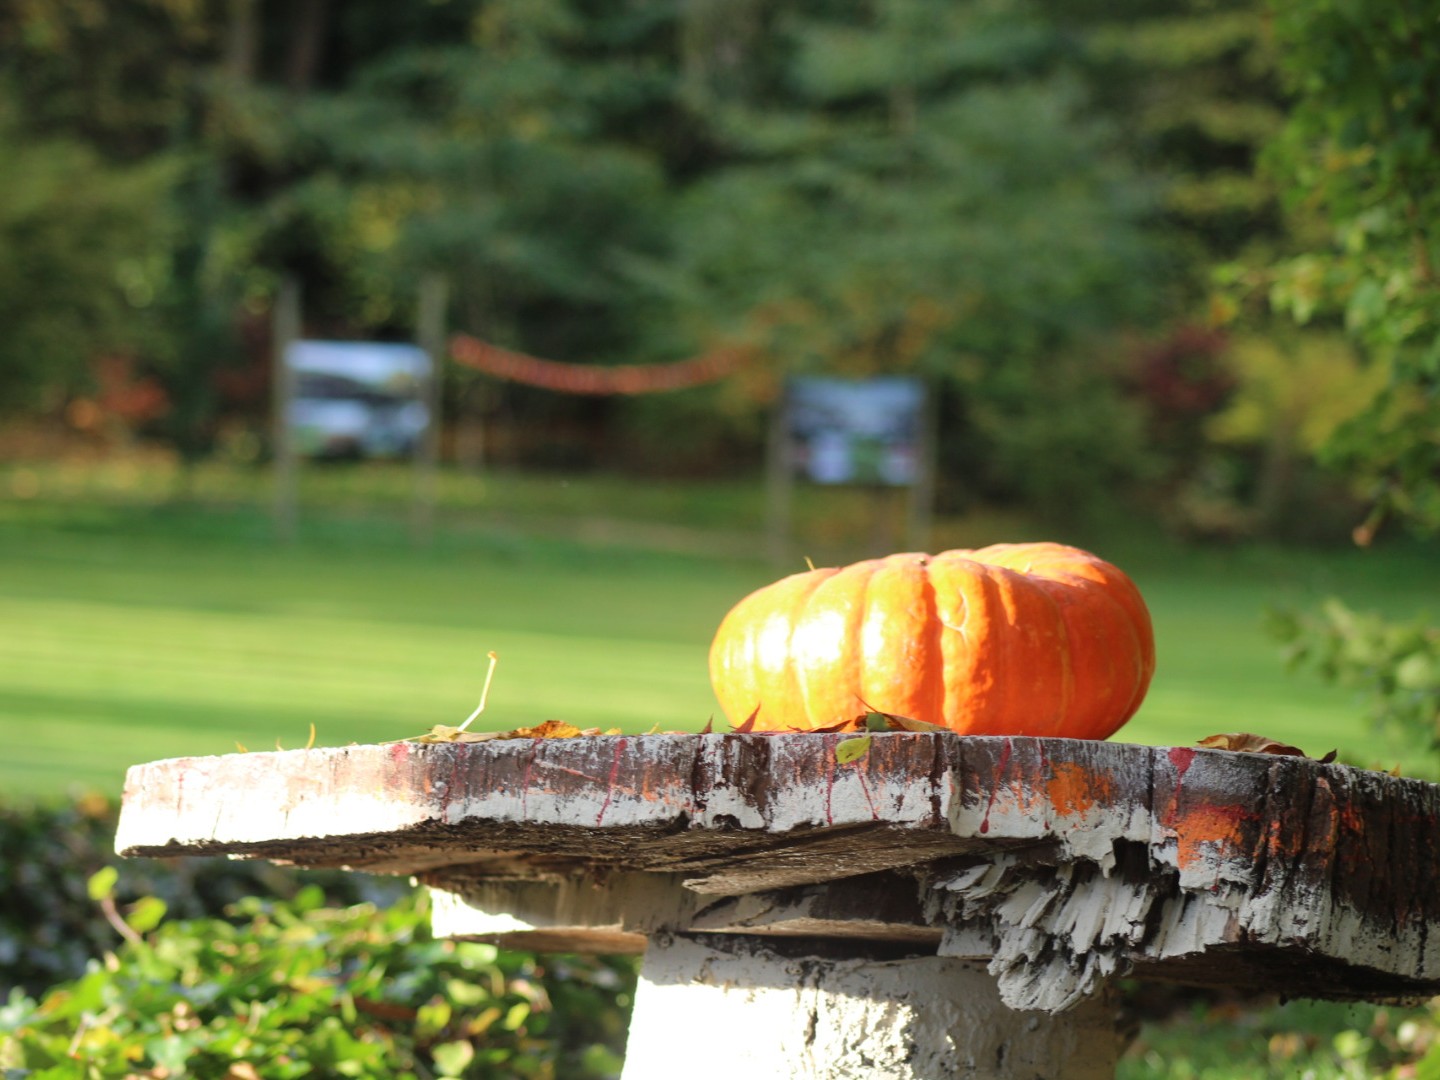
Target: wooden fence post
286,322
430,334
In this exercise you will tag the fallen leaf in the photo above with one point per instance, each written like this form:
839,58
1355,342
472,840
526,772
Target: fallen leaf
747,727
1243,742
445,733
909,723
878,720
850,750
549,729
855,723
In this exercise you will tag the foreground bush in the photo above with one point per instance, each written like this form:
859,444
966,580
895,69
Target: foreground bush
151,968
1296,1040
299,989
51,927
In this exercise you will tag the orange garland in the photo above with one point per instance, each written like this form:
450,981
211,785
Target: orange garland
591,378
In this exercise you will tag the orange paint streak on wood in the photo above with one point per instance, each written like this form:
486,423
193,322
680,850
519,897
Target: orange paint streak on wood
1219,827
1073,789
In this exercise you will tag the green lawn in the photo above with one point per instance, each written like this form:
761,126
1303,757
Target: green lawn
122,646
133,630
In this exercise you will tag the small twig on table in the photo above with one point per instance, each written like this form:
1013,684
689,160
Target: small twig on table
484,692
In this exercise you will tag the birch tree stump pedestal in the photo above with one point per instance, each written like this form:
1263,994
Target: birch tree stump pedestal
942,906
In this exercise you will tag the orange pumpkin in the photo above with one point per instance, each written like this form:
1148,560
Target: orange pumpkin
1012,639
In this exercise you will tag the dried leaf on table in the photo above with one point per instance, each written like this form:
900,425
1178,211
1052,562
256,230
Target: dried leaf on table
747,726
445,733
879,720
855,723
1244,742
549,729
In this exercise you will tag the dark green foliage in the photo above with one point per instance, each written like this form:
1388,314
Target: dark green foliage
318,974
1395,665
290,989
1360,151
1196,84
50,927
926,187
76,235
1359,154
928,182
1261,1040
1002,195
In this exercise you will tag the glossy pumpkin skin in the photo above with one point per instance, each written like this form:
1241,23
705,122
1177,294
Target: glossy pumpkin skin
1012,639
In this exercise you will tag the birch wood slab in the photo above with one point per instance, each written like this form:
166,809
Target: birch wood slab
1058,863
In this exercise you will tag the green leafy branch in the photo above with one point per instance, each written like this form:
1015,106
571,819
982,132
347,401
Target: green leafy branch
1396,665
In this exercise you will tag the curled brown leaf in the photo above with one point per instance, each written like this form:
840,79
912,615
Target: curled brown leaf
1247,743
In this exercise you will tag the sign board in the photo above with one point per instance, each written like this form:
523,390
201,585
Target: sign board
355,399
856,431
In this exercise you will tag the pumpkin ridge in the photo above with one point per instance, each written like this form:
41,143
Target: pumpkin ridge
795,683
934,657
896,660
1044,653
826,677
1015,681
862,659
1089,601
964,674
851,675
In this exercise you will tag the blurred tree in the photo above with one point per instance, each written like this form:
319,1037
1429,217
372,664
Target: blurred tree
355,146
1294,391
1360,151
1199,92
1363,151
921,186
129,83
119,77
76,237
488,141
1196,88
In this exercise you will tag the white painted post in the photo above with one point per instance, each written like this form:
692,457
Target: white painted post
725,1006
